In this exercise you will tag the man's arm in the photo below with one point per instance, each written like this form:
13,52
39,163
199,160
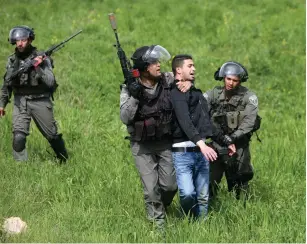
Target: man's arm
183,86
45,73
6,93
249,116
128,106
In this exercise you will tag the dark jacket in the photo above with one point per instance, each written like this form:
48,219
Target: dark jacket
191,121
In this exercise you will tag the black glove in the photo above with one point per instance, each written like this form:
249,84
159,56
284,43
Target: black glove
134,89
227,140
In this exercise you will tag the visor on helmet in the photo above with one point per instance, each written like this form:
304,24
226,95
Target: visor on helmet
231,69
156,53
17,34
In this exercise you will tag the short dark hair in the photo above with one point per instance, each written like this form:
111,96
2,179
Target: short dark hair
178,61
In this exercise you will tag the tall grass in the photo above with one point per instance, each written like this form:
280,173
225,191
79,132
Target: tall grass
97,195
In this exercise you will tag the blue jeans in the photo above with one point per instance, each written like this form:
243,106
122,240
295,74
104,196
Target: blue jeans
192,173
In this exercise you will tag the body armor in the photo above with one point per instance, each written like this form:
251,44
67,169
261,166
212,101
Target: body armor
227,115
154,115
28,83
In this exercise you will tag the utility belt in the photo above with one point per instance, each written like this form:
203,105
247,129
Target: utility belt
30,90
33,96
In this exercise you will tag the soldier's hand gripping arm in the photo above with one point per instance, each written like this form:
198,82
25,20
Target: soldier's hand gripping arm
44,71
128,105
248,117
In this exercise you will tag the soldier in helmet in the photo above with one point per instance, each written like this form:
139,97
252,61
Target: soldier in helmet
233,109
146,109
32,91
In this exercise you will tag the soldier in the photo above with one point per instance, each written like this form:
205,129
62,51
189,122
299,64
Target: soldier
32,91
146,109
233,109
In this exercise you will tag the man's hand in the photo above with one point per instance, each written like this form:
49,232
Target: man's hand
2,112
232,149
208,152
134,89
184,86
38,61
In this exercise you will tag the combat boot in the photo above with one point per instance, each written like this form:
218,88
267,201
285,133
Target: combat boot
242,189
58,146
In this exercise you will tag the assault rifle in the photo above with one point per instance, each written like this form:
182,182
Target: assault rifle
129,74
33,63
222,151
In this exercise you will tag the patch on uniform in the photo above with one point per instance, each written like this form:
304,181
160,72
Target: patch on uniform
253,100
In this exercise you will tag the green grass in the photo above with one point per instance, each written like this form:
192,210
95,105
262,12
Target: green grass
97,196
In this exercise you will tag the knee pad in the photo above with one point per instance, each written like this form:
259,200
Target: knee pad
19,141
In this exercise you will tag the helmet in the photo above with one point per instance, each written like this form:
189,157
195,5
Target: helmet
146,55
21,32
231,68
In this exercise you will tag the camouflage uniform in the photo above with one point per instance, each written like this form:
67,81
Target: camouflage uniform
32,100
235,117
152,154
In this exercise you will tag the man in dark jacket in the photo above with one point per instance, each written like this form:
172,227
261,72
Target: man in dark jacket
191,128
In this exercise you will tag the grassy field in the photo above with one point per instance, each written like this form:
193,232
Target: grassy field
97,195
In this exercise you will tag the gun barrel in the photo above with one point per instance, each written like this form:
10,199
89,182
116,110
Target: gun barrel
77,33
113,21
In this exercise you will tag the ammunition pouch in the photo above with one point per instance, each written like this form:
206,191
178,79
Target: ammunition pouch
144,129
148,129
24,79
233,119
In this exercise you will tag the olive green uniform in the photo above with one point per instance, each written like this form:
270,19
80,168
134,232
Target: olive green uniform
32,100
236,117
153,158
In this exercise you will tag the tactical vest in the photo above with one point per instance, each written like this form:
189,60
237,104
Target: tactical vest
154,115
228,115
27,83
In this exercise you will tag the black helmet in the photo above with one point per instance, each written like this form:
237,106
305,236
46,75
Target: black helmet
231,68
146,55
21,32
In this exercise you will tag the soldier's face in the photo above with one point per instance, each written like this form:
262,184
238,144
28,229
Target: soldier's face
231,82
23,44
187,71
154,69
